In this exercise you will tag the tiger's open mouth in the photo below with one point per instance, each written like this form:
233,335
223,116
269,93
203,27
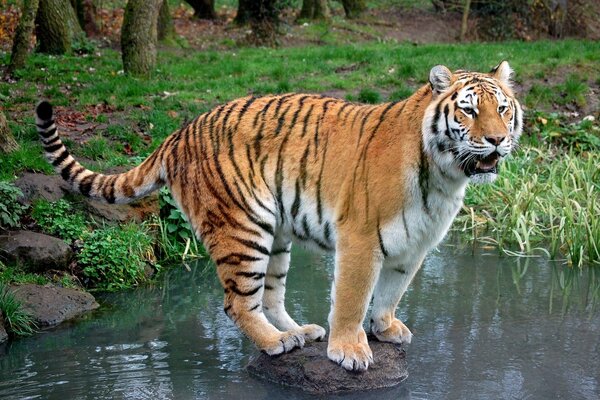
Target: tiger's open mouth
483,165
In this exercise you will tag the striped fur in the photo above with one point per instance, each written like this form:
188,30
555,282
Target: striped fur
378,185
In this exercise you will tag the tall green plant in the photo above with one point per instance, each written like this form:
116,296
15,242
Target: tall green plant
10,208
18,321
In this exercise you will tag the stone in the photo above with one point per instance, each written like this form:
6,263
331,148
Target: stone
40,186
309,369
3,334
51,305
137,211
36,251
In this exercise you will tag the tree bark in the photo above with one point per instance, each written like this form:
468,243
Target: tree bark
264,20
7,141
22,40
314,9
203,9
243,13
57,26
465,20
165,27
138,36
354,8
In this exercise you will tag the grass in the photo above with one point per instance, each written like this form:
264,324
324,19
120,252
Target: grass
186,83
18,322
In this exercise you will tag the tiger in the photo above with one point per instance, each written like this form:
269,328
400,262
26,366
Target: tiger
376,185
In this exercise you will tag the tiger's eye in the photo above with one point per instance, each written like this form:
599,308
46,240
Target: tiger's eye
501,109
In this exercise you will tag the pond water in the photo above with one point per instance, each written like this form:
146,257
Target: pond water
485,327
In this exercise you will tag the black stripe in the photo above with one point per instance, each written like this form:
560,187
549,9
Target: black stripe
296,204
66,171
400,270
45,124
279,276
85,186
279,251
254,275
48,133
263,112
52,141
244,108
53,147
236,259
253,245
306,119
254,308
362,125
327,232
62,157
233,287
381,246
424,178
110,197
436,117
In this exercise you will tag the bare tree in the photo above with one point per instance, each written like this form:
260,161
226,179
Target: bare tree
243,12
203,9
314,9
465,20
354,8
57,26
21,42
138,36
165,27
7,141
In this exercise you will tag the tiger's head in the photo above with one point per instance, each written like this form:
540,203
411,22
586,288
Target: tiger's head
473,121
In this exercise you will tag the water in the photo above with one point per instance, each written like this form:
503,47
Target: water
484,326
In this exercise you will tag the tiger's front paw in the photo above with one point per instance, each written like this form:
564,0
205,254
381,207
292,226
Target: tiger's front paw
353,356
312,332
283,343
396,332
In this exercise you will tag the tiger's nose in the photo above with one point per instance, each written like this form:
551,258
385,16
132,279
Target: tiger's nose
495,140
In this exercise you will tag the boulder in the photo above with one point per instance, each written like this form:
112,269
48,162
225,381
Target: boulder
3,334
309,369
40,186
36,251
137,211
51,305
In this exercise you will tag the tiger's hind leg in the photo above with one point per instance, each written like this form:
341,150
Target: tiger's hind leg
274,295
242,257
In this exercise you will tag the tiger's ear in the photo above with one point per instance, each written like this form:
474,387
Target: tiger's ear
440,79
503,73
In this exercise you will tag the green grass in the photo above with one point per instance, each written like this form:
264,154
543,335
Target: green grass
18,322
14,274
60,219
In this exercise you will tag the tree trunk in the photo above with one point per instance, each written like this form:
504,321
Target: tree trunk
7,141
138,36
354,8
314,9
21,43
264,20
203,9
165,27
465,20
88,19
57,26
243,13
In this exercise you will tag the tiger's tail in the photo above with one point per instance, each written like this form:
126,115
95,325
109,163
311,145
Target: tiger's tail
118,188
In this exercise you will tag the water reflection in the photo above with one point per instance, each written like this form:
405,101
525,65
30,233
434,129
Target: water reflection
484,327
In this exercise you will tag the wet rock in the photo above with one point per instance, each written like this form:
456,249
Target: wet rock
36,251
3,334
40,186
137,211
51,305
309,369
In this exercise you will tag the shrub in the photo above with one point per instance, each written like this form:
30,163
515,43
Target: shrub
60,219
10,208
369,96
18,321
115,257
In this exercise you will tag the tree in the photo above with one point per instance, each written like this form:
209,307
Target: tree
243,12
165,28
138,36
264,20
203,9
353,8
465,20
57,26
7,141
86,15
314,9
21,42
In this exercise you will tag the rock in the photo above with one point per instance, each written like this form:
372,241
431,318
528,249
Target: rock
137,211
309,369
40,186
51,305
36,251
3,334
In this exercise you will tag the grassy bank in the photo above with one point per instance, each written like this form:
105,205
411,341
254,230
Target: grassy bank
546,200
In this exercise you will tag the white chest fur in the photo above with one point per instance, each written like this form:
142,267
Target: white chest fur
424,220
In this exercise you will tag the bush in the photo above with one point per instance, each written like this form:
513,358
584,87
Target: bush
18,322
60,219
369,96
115,257
10,208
